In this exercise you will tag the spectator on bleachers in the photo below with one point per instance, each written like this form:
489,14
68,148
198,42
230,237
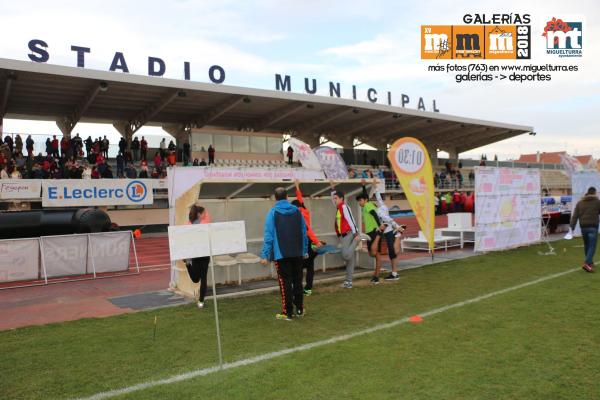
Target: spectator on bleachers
155,173
436,179
120,162
163,148
290,154
144,172
3,172
88,145
203,163
127,156
352,173
87,172
18,144
211,154
48,146
107,174
449,202
457,201
122,145
144,148
135,149
29,146
9,142
443,204
436,203
54,145
157,159
130,172
95,173
172,146
64,146
442,179
186,153
104,146
459,179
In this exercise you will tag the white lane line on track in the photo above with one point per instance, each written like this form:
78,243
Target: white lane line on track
308,346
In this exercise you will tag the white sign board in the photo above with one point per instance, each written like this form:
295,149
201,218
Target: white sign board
189,241
95,192
20,188
508,211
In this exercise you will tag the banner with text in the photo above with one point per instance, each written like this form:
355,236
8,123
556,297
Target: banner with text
508,211
332,163
182,179
95,192
19,260
411,163
20,188
305,154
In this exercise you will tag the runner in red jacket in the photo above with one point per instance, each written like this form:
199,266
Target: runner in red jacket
309,263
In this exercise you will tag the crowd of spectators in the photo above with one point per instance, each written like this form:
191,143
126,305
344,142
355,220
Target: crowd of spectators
76,158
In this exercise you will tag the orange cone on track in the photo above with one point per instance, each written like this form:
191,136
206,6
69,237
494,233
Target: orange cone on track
415,319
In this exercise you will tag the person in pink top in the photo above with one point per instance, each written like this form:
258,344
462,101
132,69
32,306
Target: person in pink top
198,267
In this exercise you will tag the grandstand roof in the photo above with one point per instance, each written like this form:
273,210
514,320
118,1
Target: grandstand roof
68,95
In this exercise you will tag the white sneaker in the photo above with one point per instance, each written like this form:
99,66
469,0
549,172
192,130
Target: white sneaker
347,285
200,305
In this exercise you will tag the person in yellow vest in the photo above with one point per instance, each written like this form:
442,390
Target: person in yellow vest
372,225
347,233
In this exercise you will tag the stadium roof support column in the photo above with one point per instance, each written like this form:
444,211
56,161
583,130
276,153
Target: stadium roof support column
4,99
67,124
128,128
453,155
432,150
179,132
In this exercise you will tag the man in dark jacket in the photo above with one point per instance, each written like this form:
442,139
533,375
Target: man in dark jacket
586,212
285,243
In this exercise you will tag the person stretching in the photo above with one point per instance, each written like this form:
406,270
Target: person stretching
372,224
346,231
309,263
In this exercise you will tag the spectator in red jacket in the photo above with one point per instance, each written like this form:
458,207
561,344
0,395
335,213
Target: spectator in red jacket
64,146
144,148
54,144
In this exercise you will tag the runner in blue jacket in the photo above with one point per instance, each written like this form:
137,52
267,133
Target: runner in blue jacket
285,243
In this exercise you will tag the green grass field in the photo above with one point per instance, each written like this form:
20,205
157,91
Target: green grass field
538,342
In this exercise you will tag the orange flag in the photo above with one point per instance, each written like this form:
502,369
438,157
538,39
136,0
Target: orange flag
411,163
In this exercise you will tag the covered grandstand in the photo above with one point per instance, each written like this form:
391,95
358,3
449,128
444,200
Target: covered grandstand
69,95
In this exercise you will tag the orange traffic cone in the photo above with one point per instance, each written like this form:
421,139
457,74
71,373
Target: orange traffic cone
415,319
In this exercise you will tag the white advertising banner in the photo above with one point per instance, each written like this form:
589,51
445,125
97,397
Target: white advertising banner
19,260
508,211
580,183
65,255
20,188
183,178
332,163
189,241
305,155
95,192
110,251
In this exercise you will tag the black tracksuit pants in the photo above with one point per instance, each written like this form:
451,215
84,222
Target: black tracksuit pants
198,271
309,264
289,275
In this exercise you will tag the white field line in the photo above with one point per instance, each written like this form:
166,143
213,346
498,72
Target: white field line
308,346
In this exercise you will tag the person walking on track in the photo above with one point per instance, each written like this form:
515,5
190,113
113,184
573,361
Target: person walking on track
586,212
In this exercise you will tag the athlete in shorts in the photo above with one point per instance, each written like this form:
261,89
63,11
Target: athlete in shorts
372,225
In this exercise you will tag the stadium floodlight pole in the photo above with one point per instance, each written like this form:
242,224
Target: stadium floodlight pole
214,293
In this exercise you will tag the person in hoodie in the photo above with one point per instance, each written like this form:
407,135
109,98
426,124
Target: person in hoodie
586,212
285,243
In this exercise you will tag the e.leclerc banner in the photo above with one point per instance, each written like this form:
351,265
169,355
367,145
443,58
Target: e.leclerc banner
95,192
411,163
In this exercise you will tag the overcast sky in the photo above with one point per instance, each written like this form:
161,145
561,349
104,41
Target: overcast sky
365,43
